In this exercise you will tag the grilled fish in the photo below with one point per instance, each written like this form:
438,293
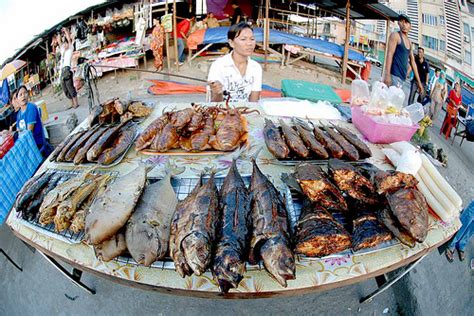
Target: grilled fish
394,227
271,232
193,229
145,139
368,232
331,146
308,138
66,210
351,181
148,229
274,140
109,249
349,150
103,142
71,142
79,143
233,232
410,208
318,234
112,209
293,140
119,146
31,188
166,139
391,181
82,152
60,147
364,150
317,187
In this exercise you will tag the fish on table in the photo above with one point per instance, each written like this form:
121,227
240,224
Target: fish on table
271,232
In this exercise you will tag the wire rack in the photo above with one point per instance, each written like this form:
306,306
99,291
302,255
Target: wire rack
66,235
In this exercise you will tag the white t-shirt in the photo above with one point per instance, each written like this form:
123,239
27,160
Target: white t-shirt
66,56
224,70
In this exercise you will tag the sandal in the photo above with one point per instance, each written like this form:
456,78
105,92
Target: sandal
449,255
462,255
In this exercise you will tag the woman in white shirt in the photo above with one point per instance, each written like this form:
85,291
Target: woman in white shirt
235,73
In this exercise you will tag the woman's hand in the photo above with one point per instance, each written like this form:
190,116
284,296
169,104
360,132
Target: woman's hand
217,91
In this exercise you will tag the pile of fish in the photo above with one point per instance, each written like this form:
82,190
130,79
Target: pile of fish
302,142
196,129
114,111
101,144
62,199
377,203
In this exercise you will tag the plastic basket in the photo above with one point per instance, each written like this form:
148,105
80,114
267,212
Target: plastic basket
381,133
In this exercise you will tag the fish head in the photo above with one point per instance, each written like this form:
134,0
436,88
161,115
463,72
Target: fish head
197,251
229,270
278,260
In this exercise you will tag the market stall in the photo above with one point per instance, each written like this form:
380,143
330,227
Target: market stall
330,269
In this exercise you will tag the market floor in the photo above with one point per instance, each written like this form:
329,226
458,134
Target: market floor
434,287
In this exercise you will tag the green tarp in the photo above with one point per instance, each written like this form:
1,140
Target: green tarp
309,91
464,78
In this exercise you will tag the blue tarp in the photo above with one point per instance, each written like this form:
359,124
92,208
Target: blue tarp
467,96
219,35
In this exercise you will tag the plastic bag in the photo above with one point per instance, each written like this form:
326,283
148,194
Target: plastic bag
395,97
359,92
378,97
416,112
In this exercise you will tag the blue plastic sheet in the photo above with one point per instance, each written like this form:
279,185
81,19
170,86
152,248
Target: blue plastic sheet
219,35
16,167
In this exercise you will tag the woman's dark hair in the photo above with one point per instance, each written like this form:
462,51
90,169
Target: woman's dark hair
236,29
21,87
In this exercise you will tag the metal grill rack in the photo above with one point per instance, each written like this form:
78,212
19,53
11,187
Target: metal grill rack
66,235
319,162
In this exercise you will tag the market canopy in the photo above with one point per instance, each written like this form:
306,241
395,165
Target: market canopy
11,68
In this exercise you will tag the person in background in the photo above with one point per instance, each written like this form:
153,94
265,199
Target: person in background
237,16
433,80
438,95
463,236
454,103
199,25
28,118
211,20
157,41
398,56
236,73
182,29
423,72
67,83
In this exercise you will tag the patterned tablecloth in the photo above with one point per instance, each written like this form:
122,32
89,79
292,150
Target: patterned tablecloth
312,274
16,167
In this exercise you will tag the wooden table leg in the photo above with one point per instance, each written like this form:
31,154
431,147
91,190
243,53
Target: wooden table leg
11,260
391,282
74,277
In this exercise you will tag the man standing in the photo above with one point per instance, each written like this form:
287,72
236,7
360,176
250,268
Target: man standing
182,28
423,71
398,55
67,83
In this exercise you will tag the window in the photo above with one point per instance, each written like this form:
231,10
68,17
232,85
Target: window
467,34
441,20
442,45
430,42
467,57
430,19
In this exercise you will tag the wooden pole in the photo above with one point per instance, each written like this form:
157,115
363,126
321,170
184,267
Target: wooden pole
387,36
167,43
266,32
175,36
346,44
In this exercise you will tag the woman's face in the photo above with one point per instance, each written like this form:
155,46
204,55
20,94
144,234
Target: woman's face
22,97
244,44
457,87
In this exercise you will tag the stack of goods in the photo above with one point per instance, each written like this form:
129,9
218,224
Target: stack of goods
101,144
114,111
302,142
196,129
378,203
59,199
